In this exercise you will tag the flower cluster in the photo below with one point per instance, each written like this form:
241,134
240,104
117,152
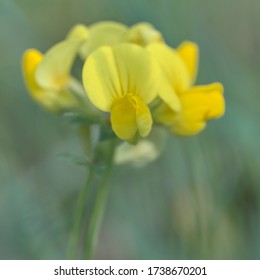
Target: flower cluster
131,81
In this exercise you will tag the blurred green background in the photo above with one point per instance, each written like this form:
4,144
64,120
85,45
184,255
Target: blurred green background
200,200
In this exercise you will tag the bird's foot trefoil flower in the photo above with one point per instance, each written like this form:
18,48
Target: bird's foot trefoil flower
48,77
198,103
123,81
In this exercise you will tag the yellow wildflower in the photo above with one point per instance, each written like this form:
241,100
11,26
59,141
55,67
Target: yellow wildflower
123,80
109,33
48,76
106,33
199,103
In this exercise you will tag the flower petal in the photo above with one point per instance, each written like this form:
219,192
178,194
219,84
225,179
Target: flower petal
130,115
100,78
164,114
109,73
143,118
138,70
123,118
31,59
107,33
187,128
49,99
169,96
79,31
143,33
172,66
54,71
189,52
144,152
199,104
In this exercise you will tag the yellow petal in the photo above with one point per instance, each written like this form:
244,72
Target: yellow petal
143,117
177,122
172,66
30,61
185,128
100,78
123,118
164,114
143,33
79,31
109,73
199,104
49,99
169,95
130,115
189,52
53,72
105,33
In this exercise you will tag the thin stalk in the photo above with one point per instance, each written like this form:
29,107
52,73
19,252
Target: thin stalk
98,208
79,211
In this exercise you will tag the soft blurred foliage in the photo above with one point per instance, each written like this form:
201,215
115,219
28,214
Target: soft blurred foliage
201,199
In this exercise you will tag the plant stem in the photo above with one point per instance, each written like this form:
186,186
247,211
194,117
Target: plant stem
99,207
79,211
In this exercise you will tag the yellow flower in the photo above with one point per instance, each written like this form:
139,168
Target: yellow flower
123,80
109,33
199,103
48,76
105,33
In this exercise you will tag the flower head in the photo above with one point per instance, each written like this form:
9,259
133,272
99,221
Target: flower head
48,76
123,80
128,73
198,103
109,33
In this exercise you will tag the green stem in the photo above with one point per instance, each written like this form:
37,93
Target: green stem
79,211
98,208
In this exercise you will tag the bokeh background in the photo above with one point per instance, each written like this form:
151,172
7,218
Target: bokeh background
200,200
